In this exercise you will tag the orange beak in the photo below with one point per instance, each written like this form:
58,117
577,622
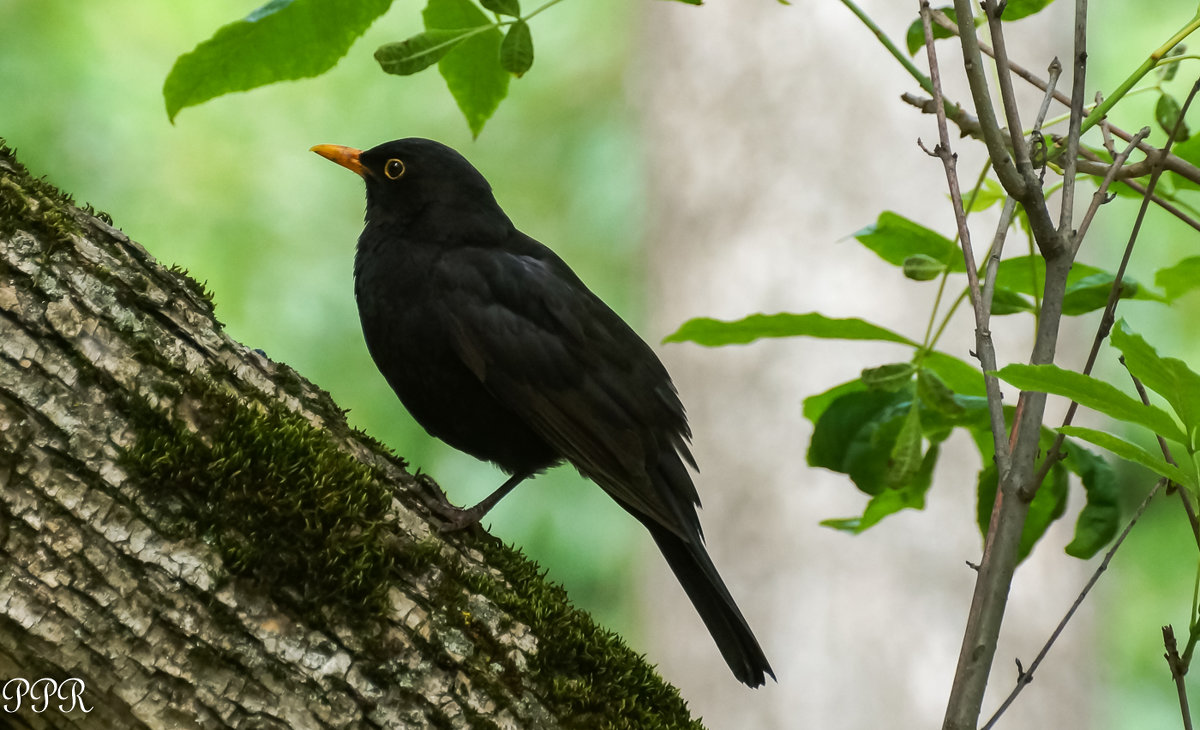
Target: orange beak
347,157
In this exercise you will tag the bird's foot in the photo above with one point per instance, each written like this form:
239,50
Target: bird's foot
455,518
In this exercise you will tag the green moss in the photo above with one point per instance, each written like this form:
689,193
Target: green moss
589,670
31,203
279,500
199,290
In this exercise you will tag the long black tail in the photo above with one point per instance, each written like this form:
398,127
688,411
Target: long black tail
703,585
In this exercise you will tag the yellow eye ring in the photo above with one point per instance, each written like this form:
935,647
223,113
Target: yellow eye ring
393,168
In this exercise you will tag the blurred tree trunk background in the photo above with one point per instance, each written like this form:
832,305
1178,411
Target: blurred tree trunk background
770,142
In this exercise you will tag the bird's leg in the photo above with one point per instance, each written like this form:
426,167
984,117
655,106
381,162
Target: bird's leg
458,519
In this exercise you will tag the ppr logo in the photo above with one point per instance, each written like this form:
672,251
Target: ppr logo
39,693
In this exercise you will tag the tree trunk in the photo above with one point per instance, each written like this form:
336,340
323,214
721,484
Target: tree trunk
192,531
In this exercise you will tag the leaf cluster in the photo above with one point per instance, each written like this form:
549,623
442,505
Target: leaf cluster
884,429
477,48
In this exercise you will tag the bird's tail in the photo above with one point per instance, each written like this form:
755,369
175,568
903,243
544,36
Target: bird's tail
703,585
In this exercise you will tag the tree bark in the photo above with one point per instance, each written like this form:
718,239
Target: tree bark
194,532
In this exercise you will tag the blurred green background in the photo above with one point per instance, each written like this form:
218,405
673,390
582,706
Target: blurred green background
232,194
1151,579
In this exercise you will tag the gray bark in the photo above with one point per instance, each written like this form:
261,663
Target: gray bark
193,531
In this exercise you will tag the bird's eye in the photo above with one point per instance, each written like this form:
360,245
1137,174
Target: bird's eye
393,169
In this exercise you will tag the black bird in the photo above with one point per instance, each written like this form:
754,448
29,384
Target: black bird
496,347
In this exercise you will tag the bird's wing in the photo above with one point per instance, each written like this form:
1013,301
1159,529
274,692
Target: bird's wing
551,351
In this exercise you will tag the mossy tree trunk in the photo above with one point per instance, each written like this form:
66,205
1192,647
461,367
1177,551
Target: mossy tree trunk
194,532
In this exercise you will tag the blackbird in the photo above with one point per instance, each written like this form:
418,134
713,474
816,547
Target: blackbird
496,347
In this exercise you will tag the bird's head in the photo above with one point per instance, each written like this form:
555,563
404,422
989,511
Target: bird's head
406,177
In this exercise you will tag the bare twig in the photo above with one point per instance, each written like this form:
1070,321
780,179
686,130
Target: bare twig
1174,163
1168,207
968,125
1074,127
1008,515
1026,675
1008,97
1101,195
1178,671
1114,294
994,255
983,340
1002,161
1013,170
1011,507
1053,71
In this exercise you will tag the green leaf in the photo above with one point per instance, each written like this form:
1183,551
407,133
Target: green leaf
815,405
1099,519
1087,286
265,47
1026,274
714,333
923,268
914,37
516,52
1095,394
1189,150
936,395
895,238
1177,280
1167,71
905,459
472,69
890,501
959,375
1092,292
1169,377
1005,301
503,7
990,193
1132,452
1017,9
420,51
1166,113
892,376
856,434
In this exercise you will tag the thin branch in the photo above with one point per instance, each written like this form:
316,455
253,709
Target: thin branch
968,125
1026,676
900,56
1130,171
1178,670
1101,195
1053,71
1008,516
1168,207
1002,161
1075,126
1008,97
1174,163
1147,66
993,263
984,348
1114,296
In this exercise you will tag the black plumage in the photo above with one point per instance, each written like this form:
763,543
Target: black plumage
496,347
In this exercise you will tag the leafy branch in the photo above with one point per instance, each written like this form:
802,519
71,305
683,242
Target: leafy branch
476,55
